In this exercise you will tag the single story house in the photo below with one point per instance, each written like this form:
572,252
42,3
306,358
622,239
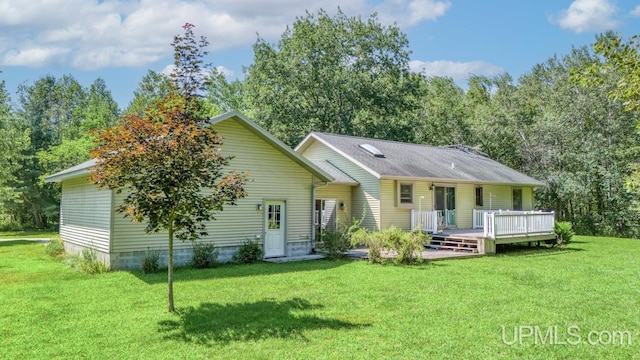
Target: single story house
439,188
277,211
295,195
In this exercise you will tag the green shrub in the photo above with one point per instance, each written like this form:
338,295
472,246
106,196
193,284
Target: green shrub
372,240
151,262
564,232
54,248
87,262
205,255
411,248
407,245
10,225
90,264
248,253
334,244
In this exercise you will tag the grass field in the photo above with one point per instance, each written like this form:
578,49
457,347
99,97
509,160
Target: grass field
327,310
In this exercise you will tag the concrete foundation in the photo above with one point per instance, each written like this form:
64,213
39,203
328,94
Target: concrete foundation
71,248
299,248
181,257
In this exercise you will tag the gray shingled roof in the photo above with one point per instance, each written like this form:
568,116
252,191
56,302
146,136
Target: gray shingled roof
422,161
339,177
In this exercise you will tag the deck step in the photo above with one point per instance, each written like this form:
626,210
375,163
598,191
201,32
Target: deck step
452,243
457,240
454,248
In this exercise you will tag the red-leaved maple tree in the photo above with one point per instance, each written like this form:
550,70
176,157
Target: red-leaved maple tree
169,164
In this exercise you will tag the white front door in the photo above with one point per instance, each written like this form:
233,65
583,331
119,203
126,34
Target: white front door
274,228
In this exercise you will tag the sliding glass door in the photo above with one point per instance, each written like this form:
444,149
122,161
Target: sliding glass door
445,204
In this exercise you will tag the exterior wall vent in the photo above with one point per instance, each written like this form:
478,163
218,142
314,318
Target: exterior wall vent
371,150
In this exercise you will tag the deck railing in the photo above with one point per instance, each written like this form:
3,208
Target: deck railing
496,223
478,216
427,219
518,223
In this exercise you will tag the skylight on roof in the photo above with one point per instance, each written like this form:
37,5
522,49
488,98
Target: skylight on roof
371,150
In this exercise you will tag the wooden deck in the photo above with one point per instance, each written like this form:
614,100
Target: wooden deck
474,240
491,226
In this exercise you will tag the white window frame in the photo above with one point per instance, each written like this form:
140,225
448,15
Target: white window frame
399,202
481,196
513,203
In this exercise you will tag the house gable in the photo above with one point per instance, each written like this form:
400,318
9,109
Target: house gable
273,175
365,196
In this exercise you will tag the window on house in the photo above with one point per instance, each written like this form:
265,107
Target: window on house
479,197
406,193
517,199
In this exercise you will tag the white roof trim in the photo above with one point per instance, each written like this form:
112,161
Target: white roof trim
72,172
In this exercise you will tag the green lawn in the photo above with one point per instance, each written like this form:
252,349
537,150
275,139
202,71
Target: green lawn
327,310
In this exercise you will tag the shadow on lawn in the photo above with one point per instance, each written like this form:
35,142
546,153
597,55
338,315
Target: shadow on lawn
224,323
522,250
4,243
238,270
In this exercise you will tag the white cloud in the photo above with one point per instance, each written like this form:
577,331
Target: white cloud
588,15
35,56
635,12
427,10
458,71
224,71
168,69
129,33
411,12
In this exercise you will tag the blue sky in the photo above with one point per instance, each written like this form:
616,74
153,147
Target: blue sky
120,40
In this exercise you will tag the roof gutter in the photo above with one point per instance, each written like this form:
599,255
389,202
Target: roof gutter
458,181
66,176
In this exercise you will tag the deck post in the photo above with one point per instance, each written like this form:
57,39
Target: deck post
489,246
434,217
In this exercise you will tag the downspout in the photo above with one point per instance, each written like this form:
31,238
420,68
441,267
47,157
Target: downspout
313,207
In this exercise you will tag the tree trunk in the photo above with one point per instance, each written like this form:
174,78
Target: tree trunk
170,269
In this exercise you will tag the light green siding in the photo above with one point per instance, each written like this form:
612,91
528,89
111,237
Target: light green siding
496,197
423,188
365,195
342,194
391,214
500,197
400,216
465,202
273,176
85,214
527,198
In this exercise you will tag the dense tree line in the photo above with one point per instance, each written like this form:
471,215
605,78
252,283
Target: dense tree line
47,130
349,75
